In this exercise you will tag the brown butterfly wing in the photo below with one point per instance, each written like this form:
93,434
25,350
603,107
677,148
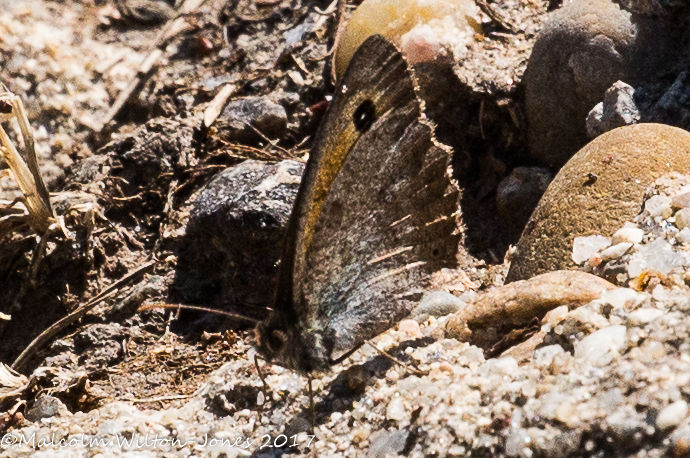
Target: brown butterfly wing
373,217
389,217
378,74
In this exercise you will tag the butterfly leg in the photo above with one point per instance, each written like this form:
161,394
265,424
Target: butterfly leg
265,387
312,409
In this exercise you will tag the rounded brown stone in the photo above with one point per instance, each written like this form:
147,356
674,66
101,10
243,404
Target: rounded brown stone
583,48
596,192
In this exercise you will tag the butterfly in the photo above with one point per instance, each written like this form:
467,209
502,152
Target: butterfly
375,215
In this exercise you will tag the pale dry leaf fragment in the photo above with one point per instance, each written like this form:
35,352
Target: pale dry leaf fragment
453,280
216,105
10,380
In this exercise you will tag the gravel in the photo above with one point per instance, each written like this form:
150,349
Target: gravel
610,379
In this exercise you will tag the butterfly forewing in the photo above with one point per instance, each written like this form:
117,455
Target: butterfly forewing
387,222
377,82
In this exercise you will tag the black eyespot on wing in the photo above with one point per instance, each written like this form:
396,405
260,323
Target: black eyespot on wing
364,116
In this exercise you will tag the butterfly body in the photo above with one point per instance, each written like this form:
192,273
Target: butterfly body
375,214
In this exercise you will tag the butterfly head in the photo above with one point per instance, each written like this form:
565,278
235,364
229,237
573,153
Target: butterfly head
292,347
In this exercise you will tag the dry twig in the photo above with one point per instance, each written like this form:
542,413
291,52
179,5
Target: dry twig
55,329
159,398
216,105
496,18
173,27
340,25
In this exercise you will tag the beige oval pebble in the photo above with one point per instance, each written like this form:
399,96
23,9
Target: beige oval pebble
596,192
496,313
411,327
420,28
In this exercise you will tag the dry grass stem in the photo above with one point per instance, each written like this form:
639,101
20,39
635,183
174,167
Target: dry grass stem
28,177
10,378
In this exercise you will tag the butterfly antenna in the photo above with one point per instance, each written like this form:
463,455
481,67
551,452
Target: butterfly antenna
416,371
343,357
194,307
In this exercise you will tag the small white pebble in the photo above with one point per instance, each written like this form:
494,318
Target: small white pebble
627,234
644,316
544,356
671,416
585,247
615,251
396,410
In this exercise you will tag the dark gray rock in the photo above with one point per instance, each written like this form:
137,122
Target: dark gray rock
264,115
518,194
99,345
46,407
583,48
436,303
161,146
97,334
672,9
673,108
235,234
617,110
145,11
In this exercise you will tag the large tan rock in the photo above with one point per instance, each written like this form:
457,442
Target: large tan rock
596,192
490,322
